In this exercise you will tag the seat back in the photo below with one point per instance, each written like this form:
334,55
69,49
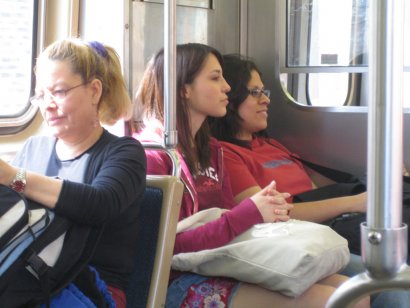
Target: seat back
159,217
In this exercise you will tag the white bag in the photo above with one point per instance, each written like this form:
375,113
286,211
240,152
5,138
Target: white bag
287,257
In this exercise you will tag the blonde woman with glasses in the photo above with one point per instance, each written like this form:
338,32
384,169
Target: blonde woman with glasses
81,171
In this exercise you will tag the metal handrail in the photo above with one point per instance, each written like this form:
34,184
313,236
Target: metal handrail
172,153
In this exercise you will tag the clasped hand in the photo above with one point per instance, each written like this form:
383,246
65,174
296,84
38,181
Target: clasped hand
272,204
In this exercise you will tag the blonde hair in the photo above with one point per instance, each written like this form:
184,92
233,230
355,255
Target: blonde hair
94,60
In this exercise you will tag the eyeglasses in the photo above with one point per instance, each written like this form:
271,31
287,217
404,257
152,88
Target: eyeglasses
258,92
57,96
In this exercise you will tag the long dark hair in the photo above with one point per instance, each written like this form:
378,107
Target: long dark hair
149,100
237,71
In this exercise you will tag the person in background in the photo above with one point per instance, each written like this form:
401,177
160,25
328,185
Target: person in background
253,159
202,92
81,171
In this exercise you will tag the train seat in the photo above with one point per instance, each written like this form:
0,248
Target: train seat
159,214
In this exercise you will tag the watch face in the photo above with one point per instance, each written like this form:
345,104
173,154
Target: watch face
19,182
18,185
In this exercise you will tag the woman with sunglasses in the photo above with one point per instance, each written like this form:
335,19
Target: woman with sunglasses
81,171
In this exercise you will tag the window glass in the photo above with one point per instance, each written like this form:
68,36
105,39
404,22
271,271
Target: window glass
326,33
328,89
16,41
406,33
326,42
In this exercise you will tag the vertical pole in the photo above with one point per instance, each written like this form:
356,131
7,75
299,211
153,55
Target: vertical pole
385,118
170,133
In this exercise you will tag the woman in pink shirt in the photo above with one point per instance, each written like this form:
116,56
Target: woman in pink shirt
202,92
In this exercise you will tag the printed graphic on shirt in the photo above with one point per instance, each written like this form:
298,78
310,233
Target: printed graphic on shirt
207,180
210,172
277,163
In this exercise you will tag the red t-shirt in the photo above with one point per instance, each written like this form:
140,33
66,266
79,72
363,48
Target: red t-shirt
265,161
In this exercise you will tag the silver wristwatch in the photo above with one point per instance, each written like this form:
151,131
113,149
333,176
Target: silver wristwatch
19,182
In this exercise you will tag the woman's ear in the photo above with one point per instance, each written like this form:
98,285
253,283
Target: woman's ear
186,92
96,88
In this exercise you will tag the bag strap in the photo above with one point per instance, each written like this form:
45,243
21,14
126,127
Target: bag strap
344,177
333,174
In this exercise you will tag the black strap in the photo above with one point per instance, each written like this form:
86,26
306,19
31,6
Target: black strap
40,268
333,174
345,177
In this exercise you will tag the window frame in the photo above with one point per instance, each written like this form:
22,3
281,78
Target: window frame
12,124
298,76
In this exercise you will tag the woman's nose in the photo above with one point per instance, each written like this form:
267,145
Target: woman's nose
48,100
227,87
264,99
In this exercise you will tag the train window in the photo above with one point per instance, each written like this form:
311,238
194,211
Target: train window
326,44
16,59
326,33
325,62
321,90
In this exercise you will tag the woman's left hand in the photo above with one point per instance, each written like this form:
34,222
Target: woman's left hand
272,204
